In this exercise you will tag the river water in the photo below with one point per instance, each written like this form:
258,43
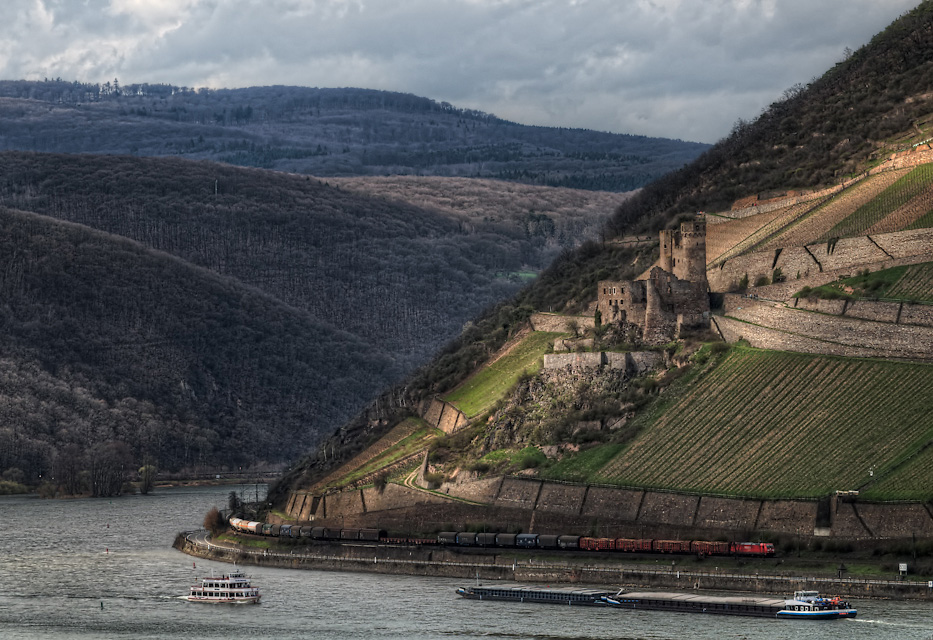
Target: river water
82,569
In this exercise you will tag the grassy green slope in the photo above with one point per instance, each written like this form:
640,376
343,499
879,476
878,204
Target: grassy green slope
480,392
775,424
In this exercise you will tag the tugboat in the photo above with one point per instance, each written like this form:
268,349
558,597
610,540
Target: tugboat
230,588
808,605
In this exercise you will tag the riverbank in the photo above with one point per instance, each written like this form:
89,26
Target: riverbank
454,563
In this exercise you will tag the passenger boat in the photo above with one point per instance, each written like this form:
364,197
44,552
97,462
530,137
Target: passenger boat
810,606
230,588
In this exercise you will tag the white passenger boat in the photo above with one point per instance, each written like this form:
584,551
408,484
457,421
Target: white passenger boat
230,588
810,606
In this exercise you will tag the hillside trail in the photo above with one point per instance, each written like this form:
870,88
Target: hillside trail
409,482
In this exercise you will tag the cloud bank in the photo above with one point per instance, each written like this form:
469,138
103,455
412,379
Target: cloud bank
675,68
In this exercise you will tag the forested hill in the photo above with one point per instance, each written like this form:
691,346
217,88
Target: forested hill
366,287
403,278
114,355
325,132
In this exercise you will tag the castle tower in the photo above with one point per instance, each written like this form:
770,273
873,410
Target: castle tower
689,257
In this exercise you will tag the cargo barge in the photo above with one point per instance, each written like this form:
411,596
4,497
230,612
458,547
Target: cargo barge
804,605
545,595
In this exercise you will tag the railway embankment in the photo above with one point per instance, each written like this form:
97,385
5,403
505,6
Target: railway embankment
454,563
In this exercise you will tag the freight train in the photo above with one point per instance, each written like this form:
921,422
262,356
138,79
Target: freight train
510,540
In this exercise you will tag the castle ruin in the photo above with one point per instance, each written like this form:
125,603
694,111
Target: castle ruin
673,296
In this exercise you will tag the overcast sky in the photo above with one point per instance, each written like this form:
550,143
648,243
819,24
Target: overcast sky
675,68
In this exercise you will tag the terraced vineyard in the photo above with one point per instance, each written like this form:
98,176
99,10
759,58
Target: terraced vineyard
776,424
912,186
809,228
910,481
915,284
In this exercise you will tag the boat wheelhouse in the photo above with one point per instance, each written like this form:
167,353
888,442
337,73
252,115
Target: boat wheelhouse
811,606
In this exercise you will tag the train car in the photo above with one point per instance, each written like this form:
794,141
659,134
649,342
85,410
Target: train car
752,549
506,539
349,534
671,546
266,529
526,540
632,545
447,537
486,539
275,530
568,542
703,548
235,524
306,532
320,533
546,541
372,535
254,527
597,544
466,539
285,531
295,531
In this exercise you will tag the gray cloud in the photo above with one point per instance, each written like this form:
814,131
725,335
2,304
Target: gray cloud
676,68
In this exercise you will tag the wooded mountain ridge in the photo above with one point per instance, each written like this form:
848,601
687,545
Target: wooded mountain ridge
351,291
325,132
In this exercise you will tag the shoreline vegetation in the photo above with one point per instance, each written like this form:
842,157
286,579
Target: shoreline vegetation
774,576
8,488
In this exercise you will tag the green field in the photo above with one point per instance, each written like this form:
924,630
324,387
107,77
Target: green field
775,424
481,391
898,194
912,283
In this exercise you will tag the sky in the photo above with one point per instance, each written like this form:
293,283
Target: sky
686,69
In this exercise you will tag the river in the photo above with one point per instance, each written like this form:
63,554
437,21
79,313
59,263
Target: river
104,568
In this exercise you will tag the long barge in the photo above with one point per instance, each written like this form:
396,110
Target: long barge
543,595
804,605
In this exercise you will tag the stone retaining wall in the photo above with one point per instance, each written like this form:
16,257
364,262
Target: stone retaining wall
846,257
545,507
554,323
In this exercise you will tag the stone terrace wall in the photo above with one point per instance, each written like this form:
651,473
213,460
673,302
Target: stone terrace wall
838,335
733,330
587,510
888,521
617,504
554,323
850,255
444,416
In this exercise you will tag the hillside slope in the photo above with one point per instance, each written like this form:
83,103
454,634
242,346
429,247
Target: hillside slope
112,350
836,128
404,278
325,132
